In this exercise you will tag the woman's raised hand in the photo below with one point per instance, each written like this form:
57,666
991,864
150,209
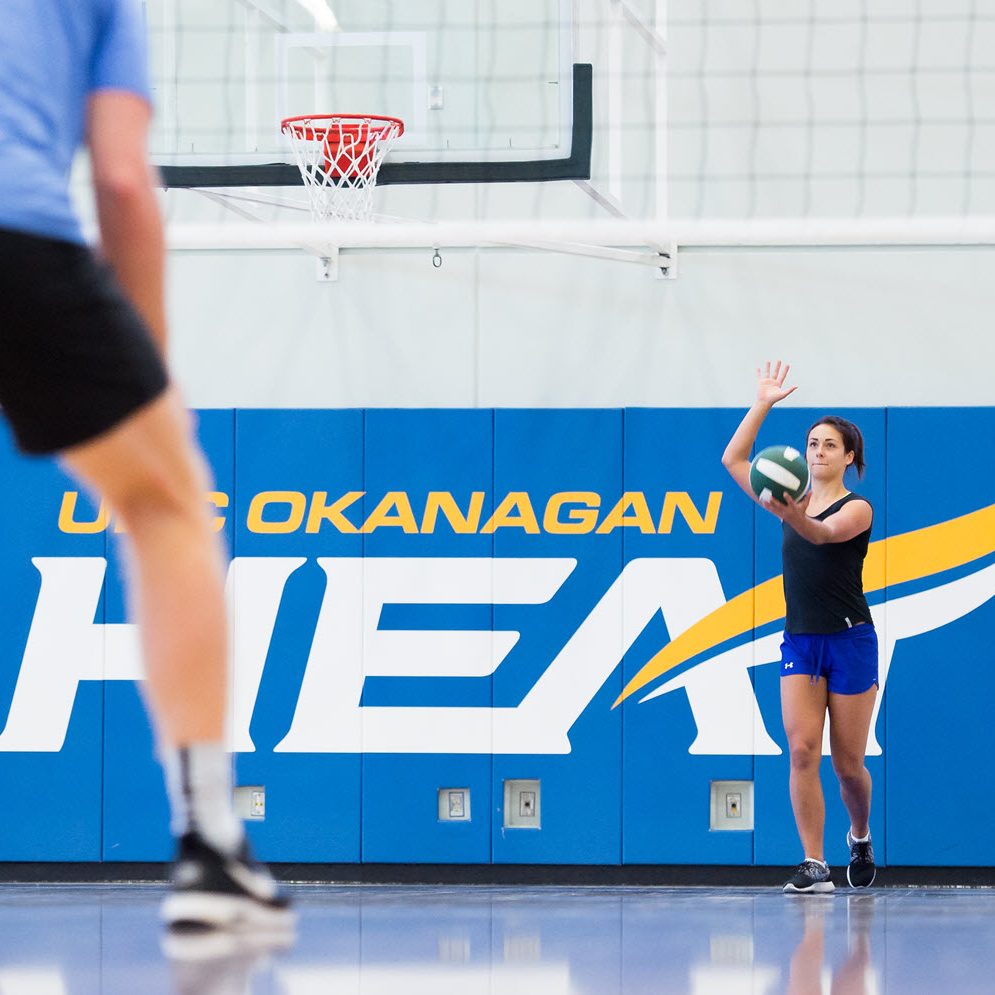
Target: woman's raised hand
770,383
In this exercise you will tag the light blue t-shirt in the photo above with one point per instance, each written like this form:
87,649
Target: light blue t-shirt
53,55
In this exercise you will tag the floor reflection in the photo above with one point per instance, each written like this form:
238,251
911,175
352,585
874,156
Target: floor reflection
509,941
848,971
218,963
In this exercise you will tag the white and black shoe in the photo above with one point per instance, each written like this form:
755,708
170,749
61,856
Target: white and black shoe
214,891
811,877
861,872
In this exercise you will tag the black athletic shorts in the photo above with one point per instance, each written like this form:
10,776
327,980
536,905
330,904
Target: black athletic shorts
75,357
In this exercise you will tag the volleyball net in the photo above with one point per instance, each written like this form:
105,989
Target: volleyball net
626,122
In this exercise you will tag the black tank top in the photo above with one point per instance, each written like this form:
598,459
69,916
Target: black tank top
824,584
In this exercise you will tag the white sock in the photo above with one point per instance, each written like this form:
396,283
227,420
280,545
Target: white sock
859,839
199,786
821,863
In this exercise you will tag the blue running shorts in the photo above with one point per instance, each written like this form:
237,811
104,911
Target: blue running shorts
847,659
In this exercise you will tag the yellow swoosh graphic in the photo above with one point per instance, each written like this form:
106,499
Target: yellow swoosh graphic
909,556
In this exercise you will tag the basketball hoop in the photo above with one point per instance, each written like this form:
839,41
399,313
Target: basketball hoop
339,156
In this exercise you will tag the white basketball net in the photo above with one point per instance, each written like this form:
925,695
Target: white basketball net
339,158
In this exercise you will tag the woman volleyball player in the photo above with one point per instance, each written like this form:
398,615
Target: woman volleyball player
829,657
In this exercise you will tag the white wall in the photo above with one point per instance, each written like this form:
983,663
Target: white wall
774,111
509,328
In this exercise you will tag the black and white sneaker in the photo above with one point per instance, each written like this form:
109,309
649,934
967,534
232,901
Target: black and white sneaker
810,877
861,872
212,891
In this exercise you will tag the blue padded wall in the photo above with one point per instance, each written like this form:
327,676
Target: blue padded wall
52,787
665,813
384,651
942,679
542,453
312,798
419,452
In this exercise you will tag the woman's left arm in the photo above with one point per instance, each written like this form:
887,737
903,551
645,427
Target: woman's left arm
852,519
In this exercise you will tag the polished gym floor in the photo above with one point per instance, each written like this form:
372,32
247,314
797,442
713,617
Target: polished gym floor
419,940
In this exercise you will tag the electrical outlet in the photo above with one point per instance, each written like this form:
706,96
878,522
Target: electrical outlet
454,804
250,802
731,805
522,805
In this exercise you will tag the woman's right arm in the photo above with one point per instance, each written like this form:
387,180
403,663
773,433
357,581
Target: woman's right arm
770,390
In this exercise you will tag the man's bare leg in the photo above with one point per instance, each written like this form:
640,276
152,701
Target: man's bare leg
153,477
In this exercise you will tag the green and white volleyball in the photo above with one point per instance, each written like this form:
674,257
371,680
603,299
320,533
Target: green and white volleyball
779,470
